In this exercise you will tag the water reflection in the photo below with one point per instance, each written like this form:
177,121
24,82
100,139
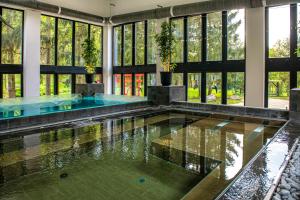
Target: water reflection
198,144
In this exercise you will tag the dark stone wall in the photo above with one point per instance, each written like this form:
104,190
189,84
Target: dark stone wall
164,95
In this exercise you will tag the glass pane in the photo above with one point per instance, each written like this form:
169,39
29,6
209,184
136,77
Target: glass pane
139,85
235,88
80,79
128,84
11,85
64,84
279,32
127,45
214,88
81,34
279,90
177,79
298,79
98,78
117,84
236,34
64,54
194,38
47,84
47,40
194,87
177,52
117,45
96,35
139,43
214,36
11,39
151,79
151,45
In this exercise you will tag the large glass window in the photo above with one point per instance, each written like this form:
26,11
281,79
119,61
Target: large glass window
127,45
177,52
128,84
117,84
235,88
194,87
139,85
139,43
298,28
214,36
47,40
64,84
236,34
298,79
80,79
11,38
96,35
214,88
151,45
64,54
117,45
194,38
279,32
11,85
177,79
47,84
151,79
81,34
97,78
279,90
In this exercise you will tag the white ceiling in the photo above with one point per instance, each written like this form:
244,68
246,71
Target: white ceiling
101,7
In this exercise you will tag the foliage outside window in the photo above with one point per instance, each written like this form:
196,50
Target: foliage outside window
127,84
96,36
139,85
177,79
279,32
279,90
117,84
117,45
214,88
139,43
64,54
81,34
236,34
151,79
89,55
11,85
64,84
177,50
11,39
214,36
194,38
151,44
80,79
235,88
46,84
127,45
194,87
47,40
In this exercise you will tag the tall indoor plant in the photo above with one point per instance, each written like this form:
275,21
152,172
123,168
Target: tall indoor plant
165,41
90,58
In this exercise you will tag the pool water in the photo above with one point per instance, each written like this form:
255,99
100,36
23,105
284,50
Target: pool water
24,107
150,156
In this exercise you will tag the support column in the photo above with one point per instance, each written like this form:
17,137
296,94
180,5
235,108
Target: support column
31,66
159,67
107,59
255,57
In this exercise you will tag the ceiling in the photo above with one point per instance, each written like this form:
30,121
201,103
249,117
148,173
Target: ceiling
101,7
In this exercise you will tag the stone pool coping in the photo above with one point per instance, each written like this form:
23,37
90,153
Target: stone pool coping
6,125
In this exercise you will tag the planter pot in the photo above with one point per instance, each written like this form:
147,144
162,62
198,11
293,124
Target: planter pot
166,78
89,78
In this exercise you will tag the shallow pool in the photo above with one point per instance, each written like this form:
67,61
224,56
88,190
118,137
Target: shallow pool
161,155
34,106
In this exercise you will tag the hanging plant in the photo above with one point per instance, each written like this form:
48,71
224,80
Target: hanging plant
166,41
89,55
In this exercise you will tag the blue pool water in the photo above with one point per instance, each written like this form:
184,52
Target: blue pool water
24,107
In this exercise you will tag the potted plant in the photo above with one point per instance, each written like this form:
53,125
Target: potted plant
90,58
165,41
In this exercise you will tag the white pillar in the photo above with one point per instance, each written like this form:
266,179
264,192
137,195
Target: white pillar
31,68
159,67
107,59
255,56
